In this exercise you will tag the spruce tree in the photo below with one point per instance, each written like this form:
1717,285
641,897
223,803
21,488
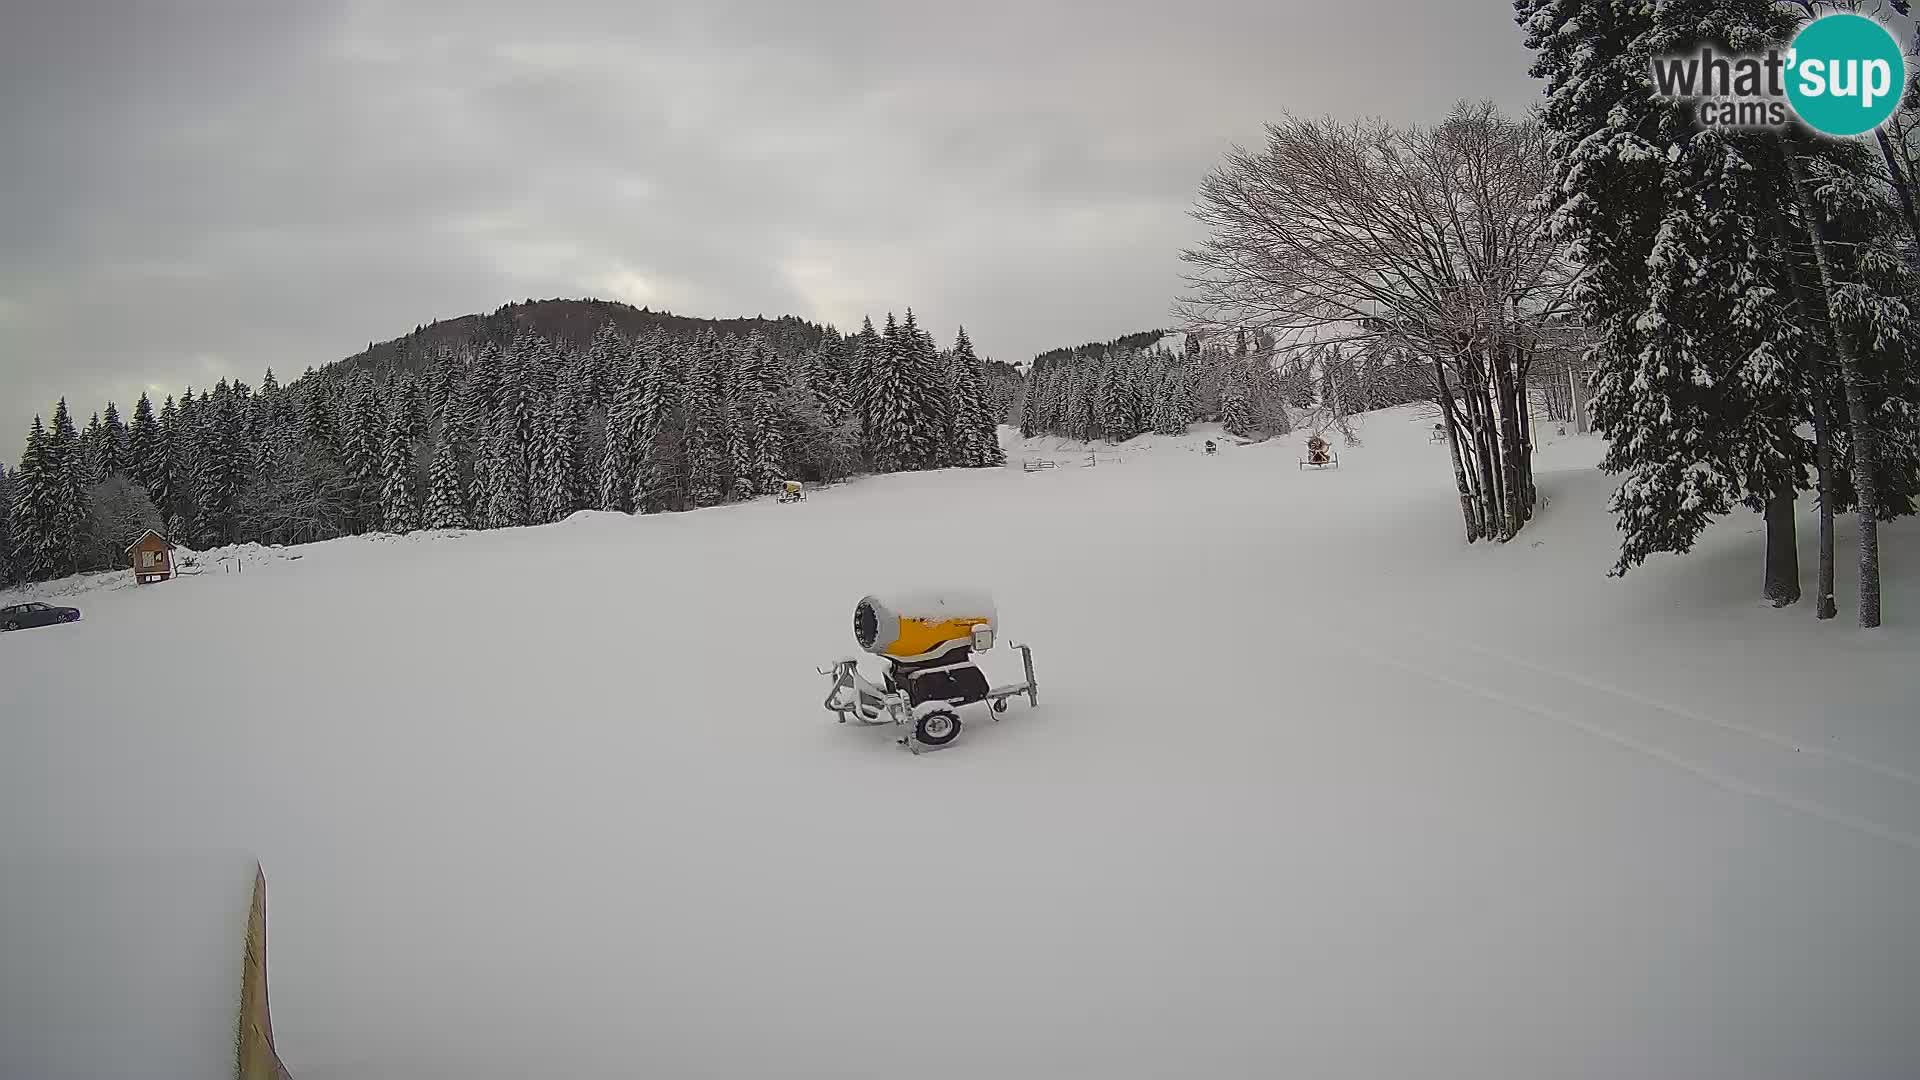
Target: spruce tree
659,483
1115,396
1678,228
480,392
736,392
361,432
1236,415
890,401
606,355
868,353
927,405
825,382
113,458
38,546
220,469
143,444
319,418
619,459
703,434
977,430
446,494
68,482
93,466
507,504
399,503
758,385
9,564
1170,405
550,458
163,483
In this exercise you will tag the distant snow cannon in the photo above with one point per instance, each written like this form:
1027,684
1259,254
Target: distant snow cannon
927,638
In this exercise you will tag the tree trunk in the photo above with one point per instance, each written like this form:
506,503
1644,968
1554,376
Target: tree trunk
1581,393
1523,454
1513,443
1467,514
1824,607
1783,550
1475,396
1487,454
1866,495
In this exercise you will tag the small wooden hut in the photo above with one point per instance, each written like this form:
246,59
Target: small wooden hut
151,557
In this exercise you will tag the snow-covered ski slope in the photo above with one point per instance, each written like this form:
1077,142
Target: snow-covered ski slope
1314,789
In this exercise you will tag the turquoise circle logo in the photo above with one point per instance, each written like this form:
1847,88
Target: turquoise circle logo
1846,74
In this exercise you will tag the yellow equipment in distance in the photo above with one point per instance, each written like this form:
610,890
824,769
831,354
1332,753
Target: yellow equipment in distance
926,624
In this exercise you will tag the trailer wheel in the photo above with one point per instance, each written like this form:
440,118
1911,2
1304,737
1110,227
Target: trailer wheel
937,727
999,704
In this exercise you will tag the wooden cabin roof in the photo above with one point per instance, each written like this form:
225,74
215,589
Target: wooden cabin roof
150,535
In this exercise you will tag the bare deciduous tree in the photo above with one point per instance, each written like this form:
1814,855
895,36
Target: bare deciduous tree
1432,240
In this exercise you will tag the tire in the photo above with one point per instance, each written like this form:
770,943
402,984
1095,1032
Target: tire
937,727
11,626
1000,705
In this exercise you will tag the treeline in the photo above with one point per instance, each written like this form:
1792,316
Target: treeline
1121,389
487,435
1139,341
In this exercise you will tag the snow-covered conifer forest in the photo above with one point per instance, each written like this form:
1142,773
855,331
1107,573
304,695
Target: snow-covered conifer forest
502,428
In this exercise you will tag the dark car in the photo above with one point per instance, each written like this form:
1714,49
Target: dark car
21,616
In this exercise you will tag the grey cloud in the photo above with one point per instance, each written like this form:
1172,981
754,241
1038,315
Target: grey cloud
198,189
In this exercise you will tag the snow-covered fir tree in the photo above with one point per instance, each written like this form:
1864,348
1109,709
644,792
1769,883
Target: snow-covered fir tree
1693,391
114,452
920,434
68,482
92,464
506,500
550,457
446,490
890,400
399,496
976,425
220,468
1170,403
39,547
361,429
703,440
143,444
621,450
10,571
868,352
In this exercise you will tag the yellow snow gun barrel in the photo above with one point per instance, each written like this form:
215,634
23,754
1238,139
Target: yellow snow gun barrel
922,625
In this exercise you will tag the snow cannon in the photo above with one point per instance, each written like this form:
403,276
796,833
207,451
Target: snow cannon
927,640
924,625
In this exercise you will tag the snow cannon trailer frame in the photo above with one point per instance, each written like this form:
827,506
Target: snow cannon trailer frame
928,643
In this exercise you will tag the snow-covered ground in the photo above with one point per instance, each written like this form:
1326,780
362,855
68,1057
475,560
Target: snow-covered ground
1314,789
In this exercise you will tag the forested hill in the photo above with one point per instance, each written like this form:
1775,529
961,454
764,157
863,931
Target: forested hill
1134,342
571,325
521,417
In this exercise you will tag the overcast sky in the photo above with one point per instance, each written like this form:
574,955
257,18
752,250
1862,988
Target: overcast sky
191,190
